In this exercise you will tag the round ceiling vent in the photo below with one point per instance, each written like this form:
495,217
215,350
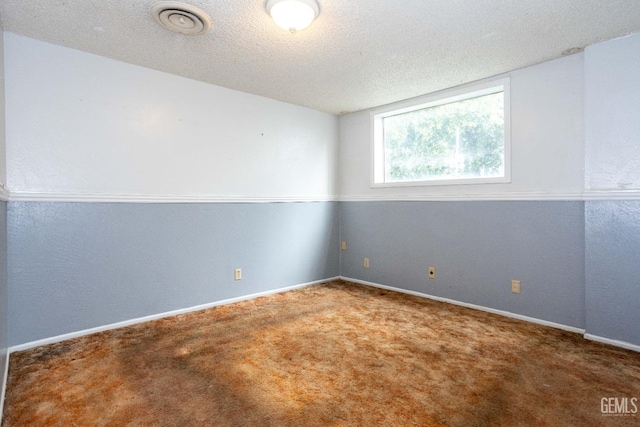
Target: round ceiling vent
181,18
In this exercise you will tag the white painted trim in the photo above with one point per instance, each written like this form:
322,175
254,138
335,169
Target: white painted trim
459,197
622,344
611,195
3,390
474,306
25,196
63,337
4,196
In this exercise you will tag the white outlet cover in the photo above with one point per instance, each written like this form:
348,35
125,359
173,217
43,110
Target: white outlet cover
515,286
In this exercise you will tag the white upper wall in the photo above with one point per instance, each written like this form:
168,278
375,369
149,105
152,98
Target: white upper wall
612,111
547,126
3,145
82,124
78,123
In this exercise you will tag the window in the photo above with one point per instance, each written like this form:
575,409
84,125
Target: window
457,137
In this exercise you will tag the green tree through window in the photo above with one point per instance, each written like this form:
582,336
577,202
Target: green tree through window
463,139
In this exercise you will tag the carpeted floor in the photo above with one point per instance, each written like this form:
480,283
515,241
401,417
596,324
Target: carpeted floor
337,354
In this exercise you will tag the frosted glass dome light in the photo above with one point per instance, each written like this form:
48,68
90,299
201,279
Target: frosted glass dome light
293,15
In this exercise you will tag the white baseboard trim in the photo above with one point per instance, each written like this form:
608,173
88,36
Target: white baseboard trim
622,344
63,337
474,306
3,386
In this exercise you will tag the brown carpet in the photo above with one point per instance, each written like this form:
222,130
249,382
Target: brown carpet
337,354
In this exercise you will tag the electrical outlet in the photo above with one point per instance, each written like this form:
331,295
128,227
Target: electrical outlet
344,245
237,274
432,272
366,262
515,286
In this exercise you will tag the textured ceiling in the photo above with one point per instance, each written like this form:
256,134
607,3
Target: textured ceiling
357,54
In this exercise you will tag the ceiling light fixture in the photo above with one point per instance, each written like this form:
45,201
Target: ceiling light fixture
292,15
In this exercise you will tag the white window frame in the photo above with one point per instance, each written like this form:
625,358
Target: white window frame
433,100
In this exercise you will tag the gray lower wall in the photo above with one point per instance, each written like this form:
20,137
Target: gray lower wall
74,266
477,248
4,296
612,237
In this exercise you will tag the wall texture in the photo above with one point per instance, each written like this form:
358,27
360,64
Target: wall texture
4,290
612,233
74,266
4,298
575,136
82,124
3,147
477,248
613,270
612,111
85,128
